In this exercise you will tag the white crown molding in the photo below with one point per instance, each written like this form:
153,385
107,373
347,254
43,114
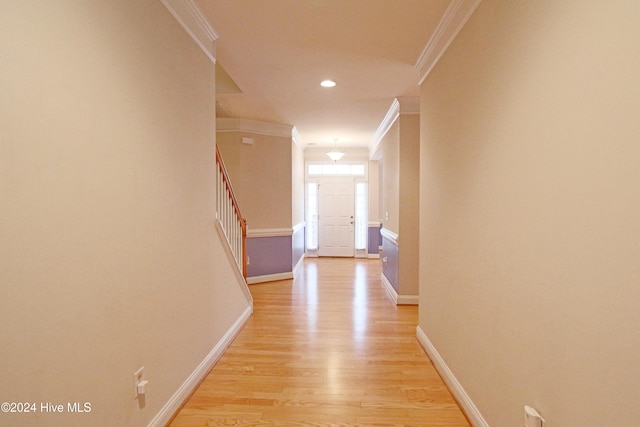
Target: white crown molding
194,22
453,19
409,104
227,124
401,105
295,135
388,121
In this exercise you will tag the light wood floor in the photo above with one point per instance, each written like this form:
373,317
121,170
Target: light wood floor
328,348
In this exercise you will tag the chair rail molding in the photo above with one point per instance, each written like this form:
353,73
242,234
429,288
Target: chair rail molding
269,232
389,235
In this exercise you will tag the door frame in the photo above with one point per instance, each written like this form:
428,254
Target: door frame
316,178
349,249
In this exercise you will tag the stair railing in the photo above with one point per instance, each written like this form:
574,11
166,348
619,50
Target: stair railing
233,223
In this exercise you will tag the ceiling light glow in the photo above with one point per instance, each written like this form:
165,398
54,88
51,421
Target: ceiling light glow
327,83
334,154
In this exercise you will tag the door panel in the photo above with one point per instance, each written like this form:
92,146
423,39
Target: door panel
336,209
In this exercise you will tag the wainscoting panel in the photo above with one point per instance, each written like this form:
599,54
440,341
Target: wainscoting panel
297,244
390,265
269,255
375,239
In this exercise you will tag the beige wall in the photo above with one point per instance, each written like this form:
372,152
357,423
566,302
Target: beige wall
391,178
400,195
374,191
408,197
109,258
297,185
261,175
529,211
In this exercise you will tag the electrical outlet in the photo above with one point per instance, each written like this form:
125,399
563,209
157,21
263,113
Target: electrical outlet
137,379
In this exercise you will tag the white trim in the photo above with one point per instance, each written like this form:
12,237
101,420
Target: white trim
389,287
275,232
409,104
374,224
295,135
195,24
269,232
401,105
298,266
386,123
184,391
299,226
373,256
232,260
465,402
232,124
270,277
452,21
389,235
408,300
398,299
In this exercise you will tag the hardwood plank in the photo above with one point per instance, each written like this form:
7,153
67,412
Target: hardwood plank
327,348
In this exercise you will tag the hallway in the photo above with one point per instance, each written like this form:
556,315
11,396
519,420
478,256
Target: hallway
327,348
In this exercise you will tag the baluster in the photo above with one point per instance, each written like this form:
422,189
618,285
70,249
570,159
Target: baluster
229,217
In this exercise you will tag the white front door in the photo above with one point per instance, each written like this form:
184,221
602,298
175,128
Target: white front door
335,222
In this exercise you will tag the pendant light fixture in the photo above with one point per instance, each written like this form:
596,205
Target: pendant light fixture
334,154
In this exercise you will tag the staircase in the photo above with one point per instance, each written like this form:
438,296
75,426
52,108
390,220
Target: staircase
228,214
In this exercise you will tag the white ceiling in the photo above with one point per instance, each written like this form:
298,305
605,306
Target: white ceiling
278,51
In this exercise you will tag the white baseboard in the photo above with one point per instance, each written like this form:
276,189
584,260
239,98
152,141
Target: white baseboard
373,256
298,266
408,300
236,268
185,390
465,402
389,287
270,277
398,299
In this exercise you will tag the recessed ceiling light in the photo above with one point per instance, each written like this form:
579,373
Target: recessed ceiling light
327,83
